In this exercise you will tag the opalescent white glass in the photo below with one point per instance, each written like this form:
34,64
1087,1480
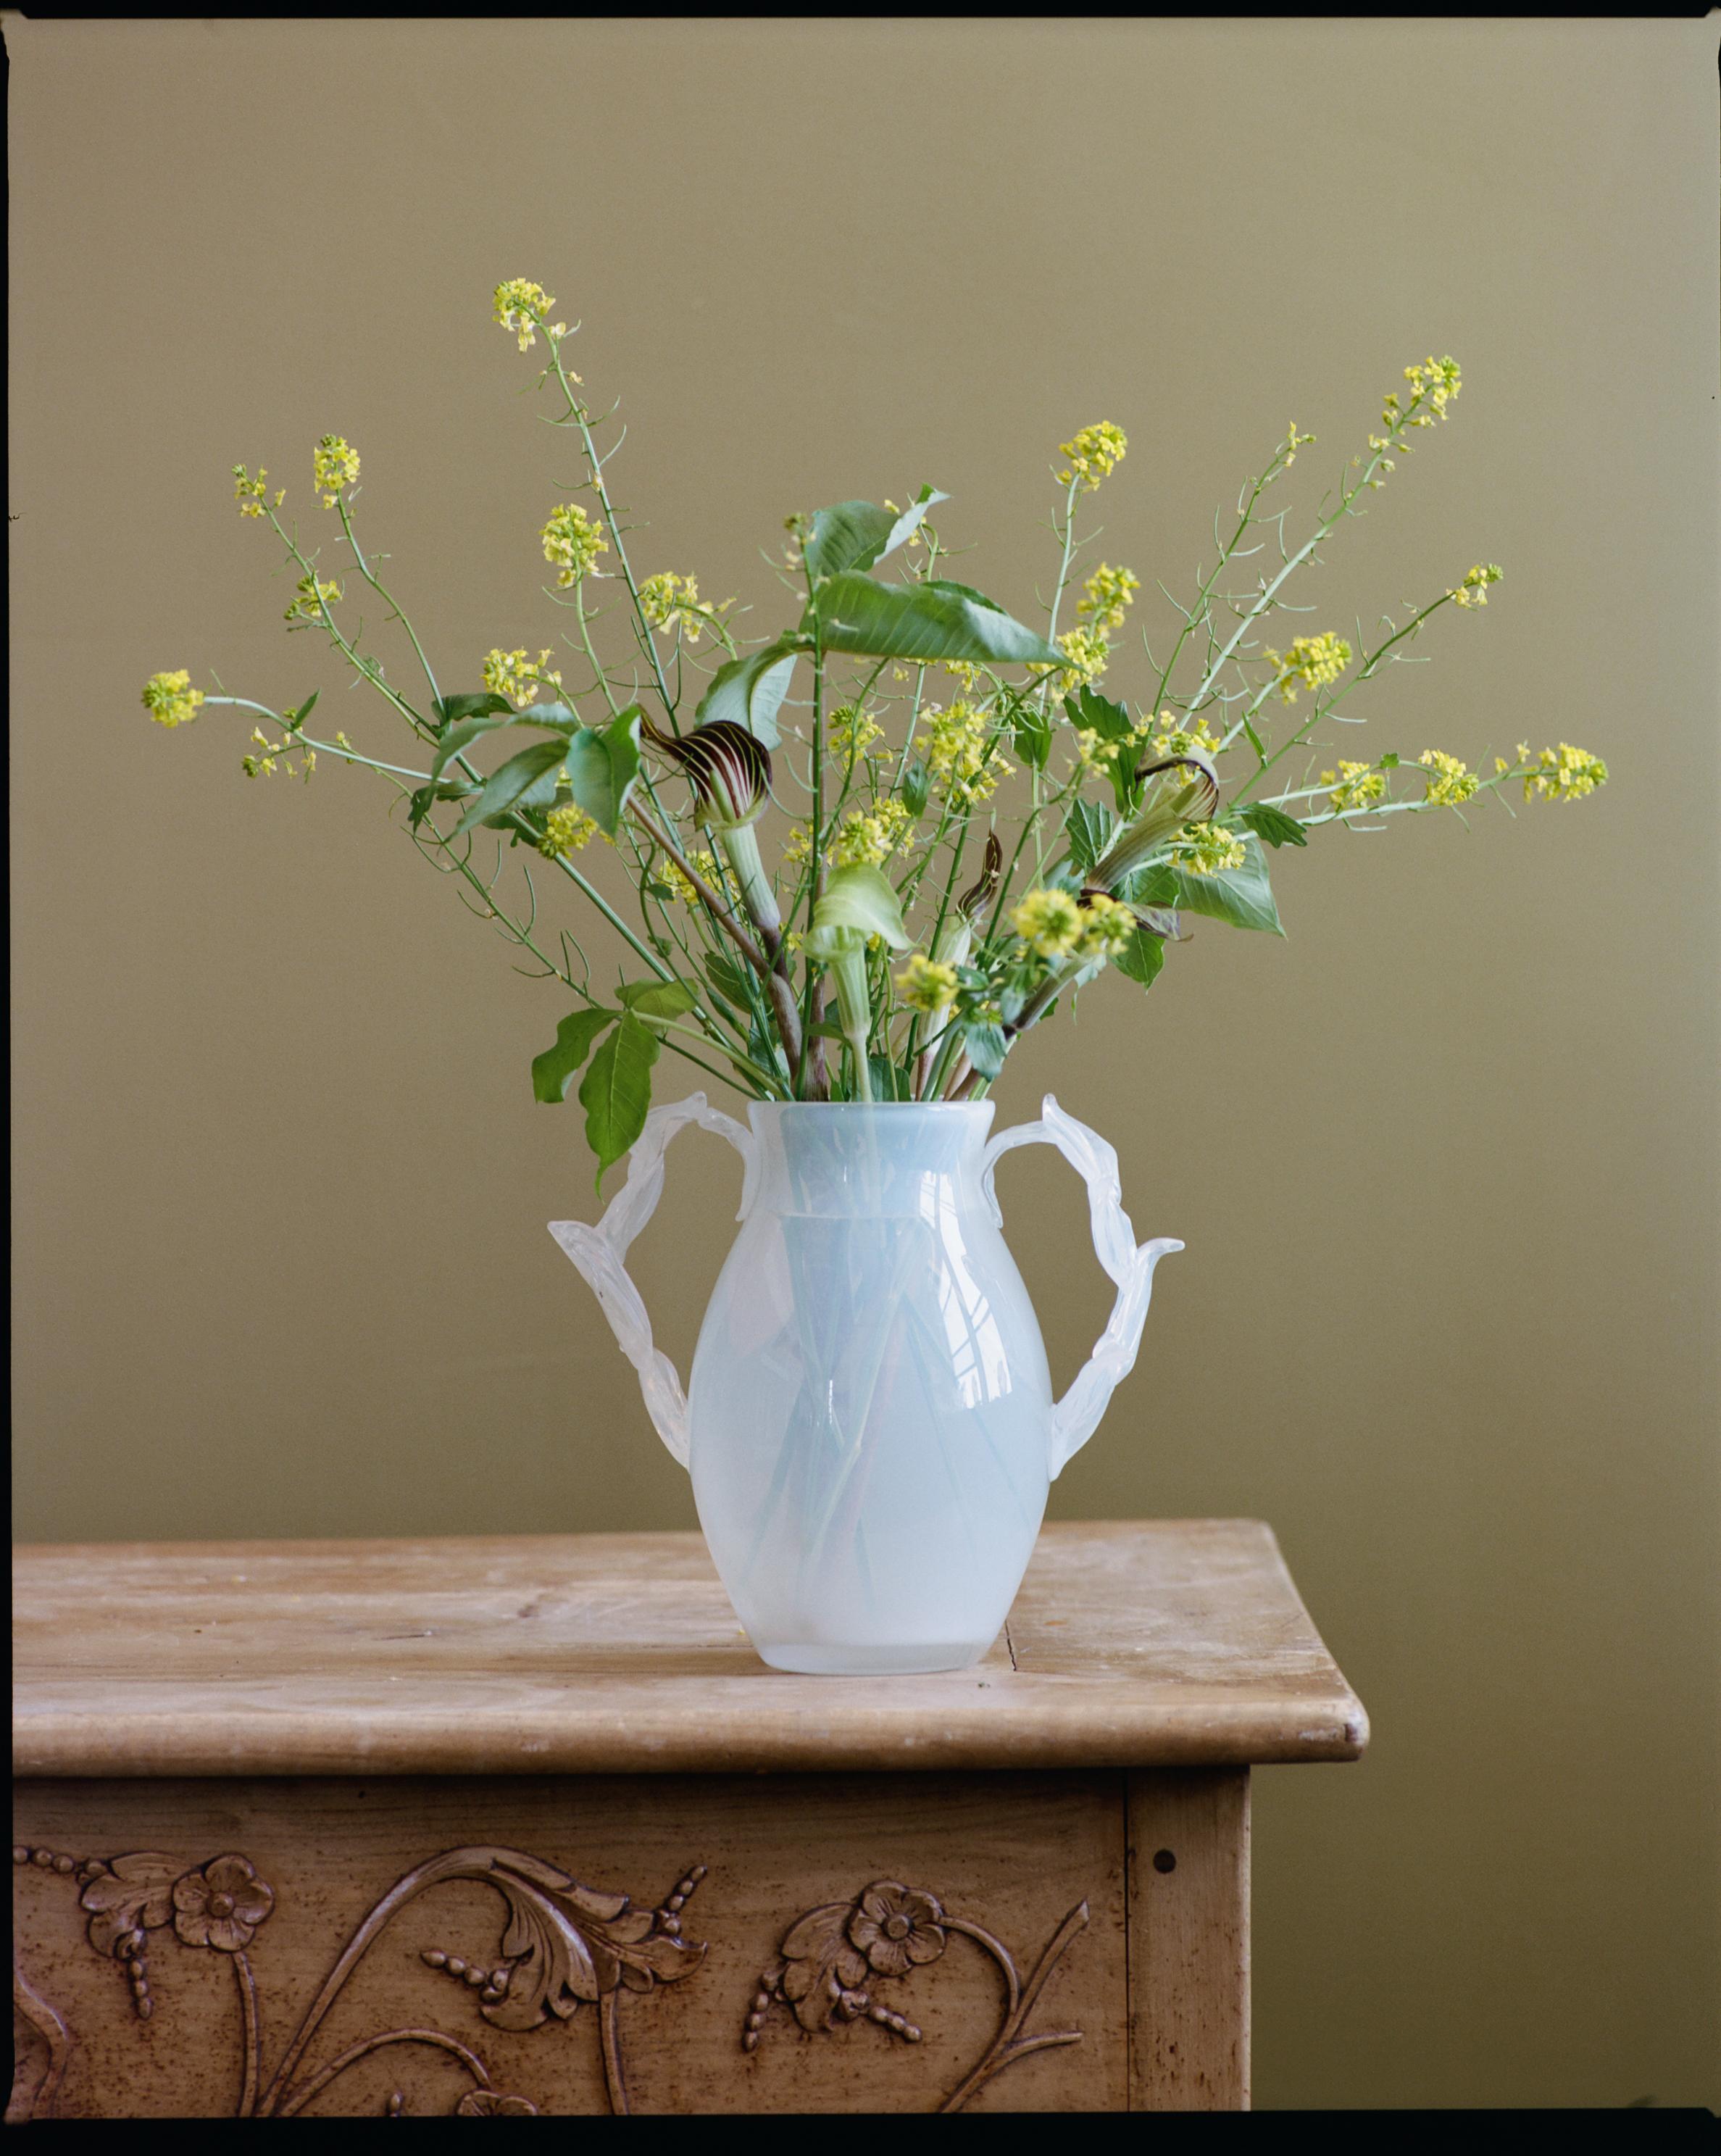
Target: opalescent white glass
870,1426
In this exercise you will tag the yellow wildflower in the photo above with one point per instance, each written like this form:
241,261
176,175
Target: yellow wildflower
1106,595
1096,755
870,836
1088,652
512,674
1179,740
798,848
1206,849
251,493
1106,926
1453,781
960,753
703,864
266,765
927,984
518,301
851,733
960,670
1311,662
566,830
335,464
1294,442
1094,454
313,598
1435,382
1473,592
571,542
1563,774
1049,922
666,599
170,699
1354,786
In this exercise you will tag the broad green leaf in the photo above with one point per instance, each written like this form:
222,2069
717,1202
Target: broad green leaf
505,786
462,736
862,898
1033,735
986,1047
1141,958
453,711
1273,824
749,691
1087,708
1243,897
889,1081
850,534
916,784
931,621
729,977
616,1091
1087,832
422,800
912,518
602,767
552,1072
658,1002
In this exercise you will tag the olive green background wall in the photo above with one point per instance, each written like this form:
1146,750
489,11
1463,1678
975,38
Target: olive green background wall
1445,1160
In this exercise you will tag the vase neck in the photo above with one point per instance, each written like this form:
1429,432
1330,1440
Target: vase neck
867,1161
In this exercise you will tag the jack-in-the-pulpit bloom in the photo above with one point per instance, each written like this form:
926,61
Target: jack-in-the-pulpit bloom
170,699
335,464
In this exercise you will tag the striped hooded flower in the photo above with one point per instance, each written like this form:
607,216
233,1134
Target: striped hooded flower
729,770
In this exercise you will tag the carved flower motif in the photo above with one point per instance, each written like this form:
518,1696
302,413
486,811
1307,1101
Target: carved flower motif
896,1927
129,1896
222,1905
488,2103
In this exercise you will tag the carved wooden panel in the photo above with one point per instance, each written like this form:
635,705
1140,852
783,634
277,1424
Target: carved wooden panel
494,1946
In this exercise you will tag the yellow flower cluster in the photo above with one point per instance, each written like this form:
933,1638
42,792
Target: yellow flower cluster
1473,592
266,765
703,864
1106,926
1208,850
1311,662
959,741
1452,782
1108,595
512,674
170,699
1096,755
1049,922
1088,652
520,306
851,733
312,599
1094,454
927,984
571,542
664,600
566,830
960,670
250,494
1354,786
1294,442
1562,774
870,836
1179,740
335,464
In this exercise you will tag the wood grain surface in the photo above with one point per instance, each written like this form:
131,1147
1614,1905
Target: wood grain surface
1132,1644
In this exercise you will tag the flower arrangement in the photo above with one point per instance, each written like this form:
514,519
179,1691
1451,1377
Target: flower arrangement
977,829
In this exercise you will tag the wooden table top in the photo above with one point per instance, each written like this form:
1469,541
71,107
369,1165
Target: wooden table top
1132,1643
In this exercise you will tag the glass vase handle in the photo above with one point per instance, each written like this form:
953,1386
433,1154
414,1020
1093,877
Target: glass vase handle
601,1252
1076,1416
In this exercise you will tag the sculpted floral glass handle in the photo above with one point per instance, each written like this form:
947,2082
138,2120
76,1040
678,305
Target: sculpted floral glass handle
869,1425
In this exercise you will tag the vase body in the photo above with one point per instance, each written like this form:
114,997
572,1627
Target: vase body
869,1425
870,1411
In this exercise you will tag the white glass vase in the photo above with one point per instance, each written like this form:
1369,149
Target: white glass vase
871,1428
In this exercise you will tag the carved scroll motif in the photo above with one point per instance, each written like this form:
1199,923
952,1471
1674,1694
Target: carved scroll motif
832,1959
564,1946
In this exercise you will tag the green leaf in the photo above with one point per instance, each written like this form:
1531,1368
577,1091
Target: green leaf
916,784
729,977
889,1082
463,736
1087,708
1033,735
852,534
1087,832
1243,897
749,692
658,1002
505,786
1273,824
1141,958
422,800
602,767
930,621
552,1072
862,898
616,1091
986,1047
293,720
453,710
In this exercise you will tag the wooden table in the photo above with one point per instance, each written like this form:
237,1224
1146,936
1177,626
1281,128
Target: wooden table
496,1825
